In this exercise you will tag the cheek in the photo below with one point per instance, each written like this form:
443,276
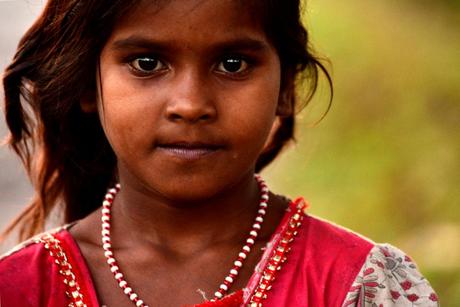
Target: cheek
126,117
253,112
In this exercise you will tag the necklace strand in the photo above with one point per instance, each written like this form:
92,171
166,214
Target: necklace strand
229,279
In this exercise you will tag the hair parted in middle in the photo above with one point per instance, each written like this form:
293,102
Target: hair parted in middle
63,148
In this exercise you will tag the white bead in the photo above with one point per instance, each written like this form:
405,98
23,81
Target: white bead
224,287
218,294
107,203
128,290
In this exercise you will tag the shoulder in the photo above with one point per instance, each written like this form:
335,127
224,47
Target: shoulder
325,241
325,232
31,248
389,277
324,259
25,255
328,246
28,273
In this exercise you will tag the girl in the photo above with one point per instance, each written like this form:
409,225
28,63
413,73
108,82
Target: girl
173,106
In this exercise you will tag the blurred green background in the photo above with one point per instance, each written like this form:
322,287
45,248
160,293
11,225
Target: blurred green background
385,161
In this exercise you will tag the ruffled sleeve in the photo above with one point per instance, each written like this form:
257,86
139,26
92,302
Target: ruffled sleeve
390,278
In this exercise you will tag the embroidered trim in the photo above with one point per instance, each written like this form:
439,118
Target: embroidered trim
278,257
53,246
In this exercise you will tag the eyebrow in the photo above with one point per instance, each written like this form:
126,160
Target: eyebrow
140,42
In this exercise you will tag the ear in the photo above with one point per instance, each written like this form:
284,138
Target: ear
285,100
269,142
88,103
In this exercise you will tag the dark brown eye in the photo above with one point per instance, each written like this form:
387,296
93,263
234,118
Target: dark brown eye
147,65
233,65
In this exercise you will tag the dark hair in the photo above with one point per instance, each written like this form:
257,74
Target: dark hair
64,149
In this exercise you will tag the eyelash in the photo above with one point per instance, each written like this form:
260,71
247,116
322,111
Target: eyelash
245,62
141,73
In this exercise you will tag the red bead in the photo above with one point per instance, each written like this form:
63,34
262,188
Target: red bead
108,201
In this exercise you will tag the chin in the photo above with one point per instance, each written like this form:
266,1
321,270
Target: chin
190,191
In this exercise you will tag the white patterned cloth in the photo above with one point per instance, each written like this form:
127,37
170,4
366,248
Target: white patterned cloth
390,278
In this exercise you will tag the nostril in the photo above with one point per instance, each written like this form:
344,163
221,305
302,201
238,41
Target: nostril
205,117
174,117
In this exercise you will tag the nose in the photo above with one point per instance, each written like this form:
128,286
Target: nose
191,99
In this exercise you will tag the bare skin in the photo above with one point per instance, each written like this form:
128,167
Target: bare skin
190,93
178,274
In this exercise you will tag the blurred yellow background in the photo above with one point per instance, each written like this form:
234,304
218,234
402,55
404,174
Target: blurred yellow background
385,161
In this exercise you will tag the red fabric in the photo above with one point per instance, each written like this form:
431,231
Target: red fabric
320,270
80,267
321,267
30,278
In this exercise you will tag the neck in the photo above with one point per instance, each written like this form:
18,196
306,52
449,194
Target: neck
186,226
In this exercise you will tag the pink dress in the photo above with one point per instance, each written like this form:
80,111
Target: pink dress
308,262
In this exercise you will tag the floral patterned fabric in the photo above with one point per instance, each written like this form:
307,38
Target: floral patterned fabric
390,278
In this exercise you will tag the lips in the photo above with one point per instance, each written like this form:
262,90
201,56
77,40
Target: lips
188,150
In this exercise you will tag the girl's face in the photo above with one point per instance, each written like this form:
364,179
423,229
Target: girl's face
189,92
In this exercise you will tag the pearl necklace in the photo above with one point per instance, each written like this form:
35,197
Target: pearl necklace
229,279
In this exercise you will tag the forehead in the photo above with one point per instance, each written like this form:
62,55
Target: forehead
190,20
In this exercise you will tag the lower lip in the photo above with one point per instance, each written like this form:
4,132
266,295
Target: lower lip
188,153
